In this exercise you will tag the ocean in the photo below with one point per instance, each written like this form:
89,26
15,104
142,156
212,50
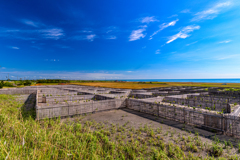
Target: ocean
184,80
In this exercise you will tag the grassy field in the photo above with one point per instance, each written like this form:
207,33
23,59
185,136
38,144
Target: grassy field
22,137
136,85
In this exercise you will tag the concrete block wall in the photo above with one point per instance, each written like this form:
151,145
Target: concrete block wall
226,99
143,95
213,105
99,97
17,91
52,99
184,115
70,109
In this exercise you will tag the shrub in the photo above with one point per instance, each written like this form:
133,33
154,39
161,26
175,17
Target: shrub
7,84
1,84
216,150
27,83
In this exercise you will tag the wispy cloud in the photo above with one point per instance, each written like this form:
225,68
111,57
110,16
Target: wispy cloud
163,26
175,15
137,34
227,57
30,23
129,71
185,11
157,51
184,33
91,37
111,29
61,74
111,37
227,41
54,33
86,31
148,19
14,47
63,46
36,47
191,43
52,60
33,34
211,12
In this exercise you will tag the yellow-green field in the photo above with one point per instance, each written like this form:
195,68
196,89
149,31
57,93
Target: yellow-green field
136,85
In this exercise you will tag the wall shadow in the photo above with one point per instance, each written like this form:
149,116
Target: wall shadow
28,109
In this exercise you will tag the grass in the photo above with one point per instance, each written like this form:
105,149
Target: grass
137,85
22,137
14,87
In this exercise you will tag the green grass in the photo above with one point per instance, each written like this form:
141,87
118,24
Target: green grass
22,137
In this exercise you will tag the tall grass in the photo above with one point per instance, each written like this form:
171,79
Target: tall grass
22,137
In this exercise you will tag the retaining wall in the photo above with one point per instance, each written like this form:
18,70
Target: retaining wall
17,91
65,98
225,123
70,109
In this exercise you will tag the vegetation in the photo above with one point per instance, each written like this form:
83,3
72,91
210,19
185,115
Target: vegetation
52,81
126,85
141,85
6,84
232,89
1,84
22,137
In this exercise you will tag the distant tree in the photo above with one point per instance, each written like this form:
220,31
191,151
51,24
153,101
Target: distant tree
27,83
1,84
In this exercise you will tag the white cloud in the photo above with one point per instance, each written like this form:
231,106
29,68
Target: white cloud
36,47
212,12
149,19
86,31
227,57
63,46
227,41
61,74
30,23
91,37
54,33
111,29
163,26
184,33
191,43
137,34
185,11
15,47
40,31
111,37
175,15
157,51
129,71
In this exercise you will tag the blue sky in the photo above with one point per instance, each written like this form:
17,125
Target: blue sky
119,39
